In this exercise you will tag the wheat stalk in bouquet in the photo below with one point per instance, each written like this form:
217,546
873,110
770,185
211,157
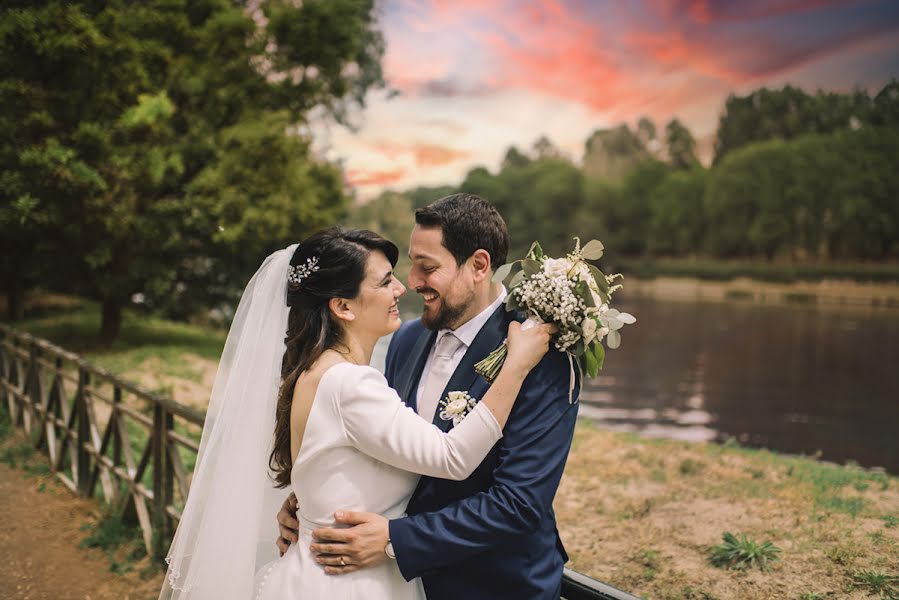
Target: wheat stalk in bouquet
570,292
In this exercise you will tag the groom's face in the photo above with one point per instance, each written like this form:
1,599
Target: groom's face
446,287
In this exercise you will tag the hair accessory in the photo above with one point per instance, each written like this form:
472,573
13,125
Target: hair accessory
296,274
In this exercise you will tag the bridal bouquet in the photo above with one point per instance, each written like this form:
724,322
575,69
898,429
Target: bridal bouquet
569,292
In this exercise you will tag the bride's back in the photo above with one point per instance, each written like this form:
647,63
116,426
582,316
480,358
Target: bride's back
328,472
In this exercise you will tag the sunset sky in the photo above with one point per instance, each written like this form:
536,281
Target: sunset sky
472,77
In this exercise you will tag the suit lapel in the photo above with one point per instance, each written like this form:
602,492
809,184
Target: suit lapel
409,378
464,377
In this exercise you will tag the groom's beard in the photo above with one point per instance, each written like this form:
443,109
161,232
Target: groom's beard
448,316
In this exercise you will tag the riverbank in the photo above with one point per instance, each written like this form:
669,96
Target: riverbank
774,272
826,292
643,515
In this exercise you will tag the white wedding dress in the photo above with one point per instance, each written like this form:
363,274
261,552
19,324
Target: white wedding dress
363,450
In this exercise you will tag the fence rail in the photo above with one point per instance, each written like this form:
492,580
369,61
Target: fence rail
109,439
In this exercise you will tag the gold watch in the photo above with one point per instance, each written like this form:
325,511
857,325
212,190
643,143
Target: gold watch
388,550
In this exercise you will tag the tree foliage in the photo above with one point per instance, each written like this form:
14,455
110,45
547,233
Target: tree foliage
157,144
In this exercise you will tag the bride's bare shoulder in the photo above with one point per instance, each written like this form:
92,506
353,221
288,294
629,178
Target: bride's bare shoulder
311,377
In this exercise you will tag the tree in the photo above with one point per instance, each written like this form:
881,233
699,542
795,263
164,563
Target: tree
514,158
424,195
680,145
391,214
786,114
677,225
164,134
611,153
646,130
544,148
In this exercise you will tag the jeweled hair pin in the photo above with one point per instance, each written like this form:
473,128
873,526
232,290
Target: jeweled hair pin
297,273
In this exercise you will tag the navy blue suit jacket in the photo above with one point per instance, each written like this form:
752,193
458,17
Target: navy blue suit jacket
492,536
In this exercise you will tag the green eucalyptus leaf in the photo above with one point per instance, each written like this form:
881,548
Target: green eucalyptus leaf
590,363
578,348
503,272
536,251
583,292
530,267
518,278
601,281
512,303
592,250
600,353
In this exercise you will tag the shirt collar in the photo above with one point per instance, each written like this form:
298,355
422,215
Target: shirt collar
468,330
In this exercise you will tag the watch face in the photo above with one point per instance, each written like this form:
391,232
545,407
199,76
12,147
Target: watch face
389,550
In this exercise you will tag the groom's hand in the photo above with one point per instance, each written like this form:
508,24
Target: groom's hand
357,547
287,523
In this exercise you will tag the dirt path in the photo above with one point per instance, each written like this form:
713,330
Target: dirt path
40,532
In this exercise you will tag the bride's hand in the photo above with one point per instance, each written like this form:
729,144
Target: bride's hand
527,347
287,523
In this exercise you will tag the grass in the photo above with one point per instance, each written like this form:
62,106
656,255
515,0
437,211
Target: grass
121,541
742,552
644,515
884,585
143,337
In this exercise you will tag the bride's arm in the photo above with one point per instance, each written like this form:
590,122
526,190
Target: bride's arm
377,422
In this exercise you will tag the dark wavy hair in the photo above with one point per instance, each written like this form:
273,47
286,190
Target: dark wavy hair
341,256
468,223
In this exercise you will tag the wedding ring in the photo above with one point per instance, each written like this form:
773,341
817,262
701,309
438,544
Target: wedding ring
342,562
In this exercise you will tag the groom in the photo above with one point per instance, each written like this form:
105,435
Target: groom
492,536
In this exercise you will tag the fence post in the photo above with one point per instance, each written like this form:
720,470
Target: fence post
16,409
84,476
3,359
33,391
162,477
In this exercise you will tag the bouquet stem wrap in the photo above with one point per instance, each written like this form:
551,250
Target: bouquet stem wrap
490,367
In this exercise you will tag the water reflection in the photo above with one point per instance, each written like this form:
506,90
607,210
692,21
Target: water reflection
799,379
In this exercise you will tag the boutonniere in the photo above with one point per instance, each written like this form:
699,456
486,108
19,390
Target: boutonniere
456,407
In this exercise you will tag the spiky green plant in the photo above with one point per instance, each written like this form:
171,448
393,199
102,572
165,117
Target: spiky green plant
743,553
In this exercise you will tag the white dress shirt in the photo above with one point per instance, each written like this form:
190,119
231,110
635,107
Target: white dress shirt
466,334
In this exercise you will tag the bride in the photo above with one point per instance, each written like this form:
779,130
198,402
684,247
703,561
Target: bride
342,437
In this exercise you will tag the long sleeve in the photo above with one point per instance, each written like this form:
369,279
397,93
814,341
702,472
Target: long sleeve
378,423
530,465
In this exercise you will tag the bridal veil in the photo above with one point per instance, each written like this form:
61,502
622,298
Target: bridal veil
228,528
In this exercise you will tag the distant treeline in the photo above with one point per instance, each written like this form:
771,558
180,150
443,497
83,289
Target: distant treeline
795,178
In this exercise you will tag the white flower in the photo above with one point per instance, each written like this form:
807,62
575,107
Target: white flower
456,406
556,266
589,326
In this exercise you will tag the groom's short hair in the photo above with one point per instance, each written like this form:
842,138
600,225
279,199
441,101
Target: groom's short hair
468,222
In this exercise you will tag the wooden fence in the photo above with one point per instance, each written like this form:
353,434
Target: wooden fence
107,438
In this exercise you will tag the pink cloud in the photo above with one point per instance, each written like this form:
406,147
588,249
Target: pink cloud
363,177
743,62
709,11
424,155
